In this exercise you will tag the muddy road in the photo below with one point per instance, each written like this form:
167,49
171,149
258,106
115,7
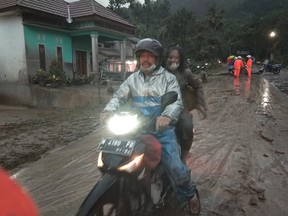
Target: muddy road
238,159
26,134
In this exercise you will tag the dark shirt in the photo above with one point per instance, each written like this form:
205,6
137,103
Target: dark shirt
191,90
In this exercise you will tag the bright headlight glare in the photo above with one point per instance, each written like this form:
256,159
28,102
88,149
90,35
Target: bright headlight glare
100,162
131,166
122,124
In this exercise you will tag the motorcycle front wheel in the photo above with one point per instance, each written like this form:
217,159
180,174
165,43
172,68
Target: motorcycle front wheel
120,202
110,206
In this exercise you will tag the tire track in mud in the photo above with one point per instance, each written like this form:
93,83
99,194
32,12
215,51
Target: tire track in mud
65,177
234,179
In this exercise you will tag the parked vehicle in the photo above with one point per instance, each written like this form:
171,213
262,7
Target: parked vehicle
272,68
231,69
230,64
133,180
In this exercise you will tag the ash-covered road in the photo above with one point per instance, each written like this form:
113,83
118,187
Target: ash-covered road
238,159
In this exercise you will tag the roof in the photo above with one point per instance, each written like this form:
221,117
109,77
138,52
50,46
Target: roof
80,8
7,3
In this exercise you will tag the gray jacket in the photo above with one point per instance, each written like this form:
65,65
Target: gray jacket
146,93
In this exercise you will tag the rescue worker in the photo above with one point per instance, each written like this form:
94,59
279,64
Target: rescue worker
249,65
145,87
174,61
238,64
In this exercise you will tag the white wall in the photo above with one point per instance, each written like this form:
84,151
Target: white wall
12,53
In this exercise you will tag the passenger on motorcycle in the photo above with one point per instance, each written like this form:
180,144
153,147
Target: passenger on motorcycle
145,87
174,61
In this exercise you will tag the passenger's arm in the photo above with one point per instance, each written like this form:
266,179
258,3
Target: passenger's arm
173,110
199,92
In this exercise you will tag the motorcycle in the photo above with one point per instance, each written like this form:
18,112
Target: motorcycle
133,181
244,71
203,73
231,69
272,68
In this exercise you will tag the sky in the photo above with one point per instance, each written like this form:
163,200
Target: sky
102,2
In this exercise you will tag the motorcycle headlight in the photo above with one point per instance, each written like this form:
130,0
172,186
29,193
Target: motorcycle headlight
122,124
132,165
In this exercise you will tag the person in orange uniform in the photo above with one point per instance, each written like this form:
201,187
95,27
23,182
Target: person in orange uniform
238,64
249,65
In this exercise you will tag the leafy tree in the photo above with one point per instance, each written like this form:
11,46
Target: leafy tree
151,19
181,26
209,37
118,6
214,18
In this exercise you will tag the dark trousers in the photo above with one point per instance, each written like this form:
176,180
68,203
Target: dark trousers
184,130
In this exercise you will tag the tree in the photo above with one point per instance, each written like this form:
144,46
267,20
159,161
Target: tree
151,19
214,18
118,6
209,37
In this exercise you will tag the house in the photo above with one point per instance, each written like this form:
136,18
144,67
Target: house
80,35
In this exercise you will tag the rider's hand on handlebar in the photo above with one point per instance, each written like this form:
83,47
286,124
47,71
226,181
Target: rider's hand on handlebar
162,122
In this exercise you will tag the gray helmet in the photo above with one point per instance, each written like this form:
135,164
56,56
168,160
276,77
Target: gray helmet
151,45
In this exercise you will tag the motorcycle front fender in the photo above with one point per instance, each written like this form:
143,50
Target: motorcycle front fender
107,181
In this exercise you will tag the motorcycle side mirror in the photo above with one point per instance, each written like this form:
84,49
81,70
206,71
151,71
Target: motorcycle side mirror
168,98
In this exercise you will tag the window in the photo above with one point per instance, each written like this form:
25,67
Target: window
42,56
59,55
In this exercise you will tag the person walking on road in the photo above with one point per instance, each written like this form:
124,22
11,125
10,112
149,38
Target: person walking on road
249,65
174,62
238,64
145,87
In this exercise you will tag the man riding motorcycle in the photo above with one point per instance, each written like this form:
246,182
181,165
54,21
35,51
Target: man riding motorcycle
145,87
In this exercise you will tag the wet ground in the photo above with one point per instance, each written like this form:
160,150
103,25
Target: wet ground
238,160
26,134
280,80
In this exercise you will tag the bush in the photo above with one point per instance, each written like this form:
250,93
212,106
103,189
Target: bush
56,73
80,80
55,77
40,77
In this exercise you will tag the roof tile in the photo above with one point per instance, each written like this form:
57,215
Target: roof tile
7,3
59,7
